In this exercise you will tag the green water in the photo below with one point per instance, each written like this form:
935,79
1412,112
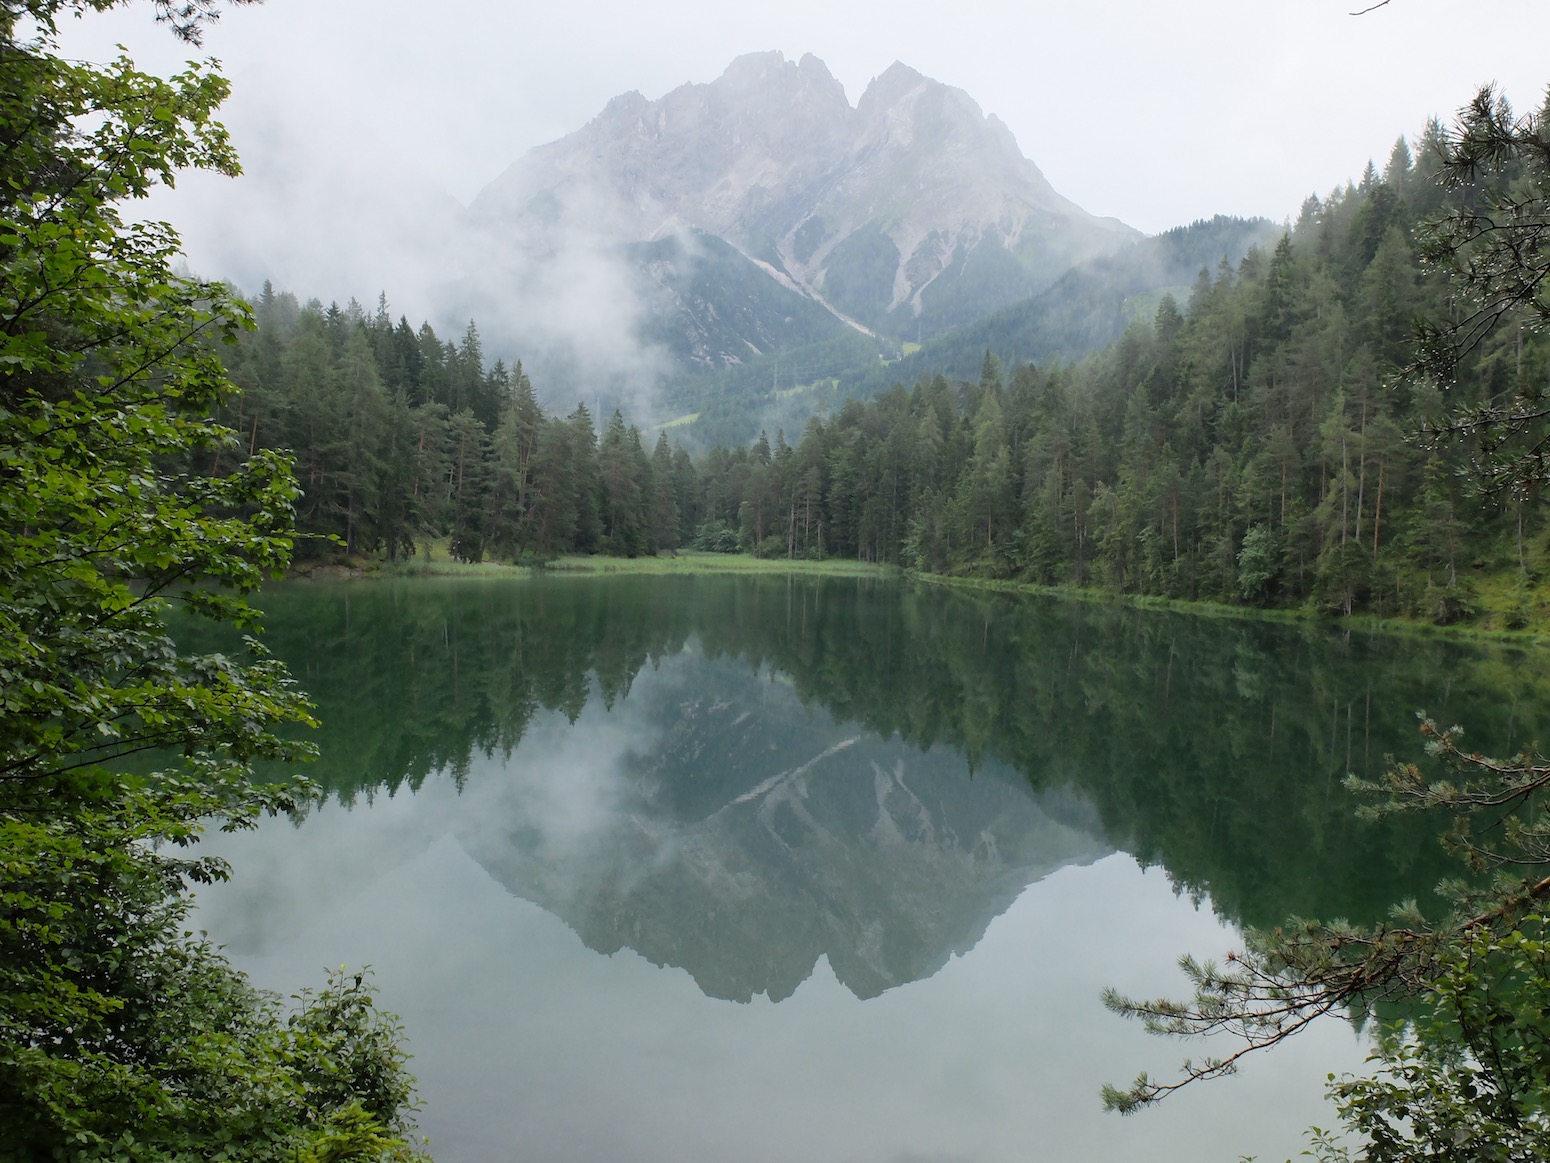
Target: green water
766,868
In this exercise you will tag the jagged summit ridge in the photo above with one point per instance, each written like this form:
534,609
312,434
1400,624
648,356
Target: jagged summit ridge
911,206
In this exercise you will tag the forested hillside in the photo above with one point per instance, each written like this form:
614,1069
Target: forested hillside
1251,443
1085,311
401,438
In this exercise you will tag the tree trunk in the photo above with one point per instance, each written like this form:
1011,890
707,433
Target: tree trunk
1377,512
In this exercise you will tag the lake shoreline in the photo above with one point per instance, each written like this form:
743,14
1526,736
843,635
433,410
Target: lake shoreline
690,562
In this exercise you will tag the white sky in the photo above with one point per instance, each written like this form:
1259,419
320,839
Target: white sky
357,119
1155,113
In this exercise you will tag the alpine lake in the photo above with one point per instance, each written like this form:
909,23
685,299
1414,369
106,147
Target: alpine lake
829,869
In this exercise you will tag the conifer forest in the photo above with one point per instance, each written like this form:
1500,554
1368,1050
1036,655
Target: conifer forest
1254,441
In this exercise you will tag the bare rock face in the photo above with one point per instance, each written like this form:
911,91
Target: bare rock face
909,212
707,157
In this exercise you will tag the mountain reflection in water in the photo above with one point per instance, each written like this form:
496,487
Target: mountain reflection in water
750,778
833,842
1214,748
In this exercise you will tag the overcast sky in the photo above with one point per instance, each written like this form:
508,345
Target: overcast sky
1153,113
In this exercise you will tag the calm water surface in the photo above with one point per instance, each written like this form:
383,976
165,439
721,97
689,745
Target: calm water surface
816,869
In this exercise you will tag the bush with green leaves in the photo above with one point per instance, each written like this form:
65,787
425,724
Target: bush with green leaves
1469,1080
122,1034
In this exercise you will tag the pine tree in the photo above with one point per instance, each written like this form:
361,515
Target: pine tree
663,513
466,485
621,467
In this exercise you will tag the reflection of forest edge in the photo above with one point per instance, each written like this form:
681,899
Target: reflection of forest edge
1213,749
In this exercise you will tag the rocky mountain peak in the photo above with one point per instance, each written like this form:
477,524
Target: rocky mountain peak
624,105
771,74
908,212
795,109
904,108
892,85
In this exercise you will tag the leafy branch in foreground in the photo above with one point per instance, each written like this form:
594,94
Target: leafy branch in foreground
1466,1078
122,1035
1491,801
1495,242
1282,981
1288,977
1469,1080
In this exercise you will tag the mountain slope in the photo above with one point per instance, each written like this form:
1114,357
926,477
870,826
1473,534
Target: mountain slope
906,214
708,302
1087,309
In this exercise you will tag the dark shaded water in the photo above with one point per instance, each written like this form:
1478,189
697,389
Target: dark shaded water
767,868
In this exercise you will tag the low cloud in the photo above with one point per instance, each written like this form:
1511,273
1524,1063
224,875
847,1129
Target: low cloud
330,207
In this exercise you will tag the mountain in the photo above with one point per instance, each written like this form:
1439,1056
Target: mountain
756,215
1088,308
707,302
906,214
1092,304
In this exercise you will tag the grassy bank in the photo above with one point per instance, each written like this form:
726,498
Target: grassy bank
1505,619
696,562
683,562
1507,608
